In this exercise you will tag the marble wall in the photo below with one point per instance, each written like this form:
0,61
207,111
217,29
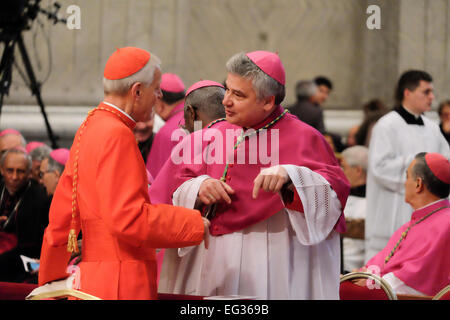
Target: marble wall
194,38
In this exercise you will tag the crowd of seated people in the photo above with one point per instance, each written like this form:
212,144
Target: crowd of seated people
25,198
30,174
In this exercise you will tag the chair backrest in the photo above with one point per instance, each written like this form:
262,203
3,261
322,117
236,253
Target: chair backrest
401,296
378,290
444,294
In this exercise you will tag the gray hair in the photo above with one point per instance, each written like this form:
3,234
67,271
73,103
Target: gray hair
54,165
145,75
264,85
40,153
305,89
208,100
431,182
16,151
356,156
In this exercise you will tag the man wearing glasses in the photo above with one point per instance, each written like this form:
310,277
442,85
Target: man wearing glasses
23,214
51,169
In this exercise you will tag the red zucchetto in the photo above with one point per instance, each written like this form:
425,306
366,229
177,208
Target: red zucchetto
125,62
439,165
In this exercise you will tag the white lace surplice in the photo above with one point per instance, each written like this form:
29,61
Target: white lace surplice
291,255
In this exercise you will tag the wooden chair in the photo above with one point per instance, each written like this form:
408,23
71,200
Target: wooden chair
444,294
412,297
349,290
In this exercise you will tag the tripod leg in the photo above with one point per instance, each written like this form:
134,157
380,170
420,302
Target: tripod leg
6,70
35,89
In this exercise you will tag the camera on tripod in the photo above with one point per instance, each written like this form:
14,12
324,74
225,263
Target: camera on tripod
17,16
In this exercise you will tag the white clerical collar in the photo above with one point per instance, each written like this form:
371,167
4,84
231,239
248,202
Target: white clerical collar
115,107
417,116
429,204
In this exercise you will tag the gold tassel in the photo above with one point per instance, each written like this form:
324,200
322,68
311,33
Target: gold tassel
72,244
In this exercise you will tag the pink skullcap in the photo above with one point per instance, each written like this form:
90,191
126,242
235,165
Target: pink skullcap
9,131
270,64
170,82
20,148
125,62
439,165
33,145
60,155
202,84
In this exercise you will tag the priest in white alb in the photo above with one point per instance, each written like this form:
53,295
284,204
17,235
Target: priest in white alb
396,138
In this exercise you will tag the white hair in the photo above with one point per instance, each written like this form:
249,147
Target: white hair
145,75
41,152
356,156
54,165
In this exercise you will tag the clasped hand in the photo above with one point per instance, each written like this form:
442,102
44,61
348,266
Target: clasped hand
269,179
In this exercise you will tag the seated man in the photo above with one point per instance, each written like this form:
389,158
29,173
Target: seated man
415,260
23,213
354,163
52,168
203,103
38,151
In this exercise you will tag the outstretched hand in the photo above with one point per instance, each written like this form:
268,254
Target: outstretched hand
270,179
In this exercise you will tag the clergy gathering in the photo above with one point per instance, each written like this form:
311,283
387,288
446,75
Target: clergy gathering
298,165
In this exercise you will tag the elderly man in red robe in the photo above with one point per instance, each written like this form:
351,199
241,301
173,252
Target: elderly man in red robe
103,191
272,188
415,261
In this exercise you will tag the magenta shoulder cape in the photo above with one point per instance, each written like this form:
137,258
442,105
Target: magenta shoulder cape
421,260
163,143
297,144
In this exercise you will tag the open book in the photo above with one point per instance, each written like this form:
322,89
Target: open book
57,290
